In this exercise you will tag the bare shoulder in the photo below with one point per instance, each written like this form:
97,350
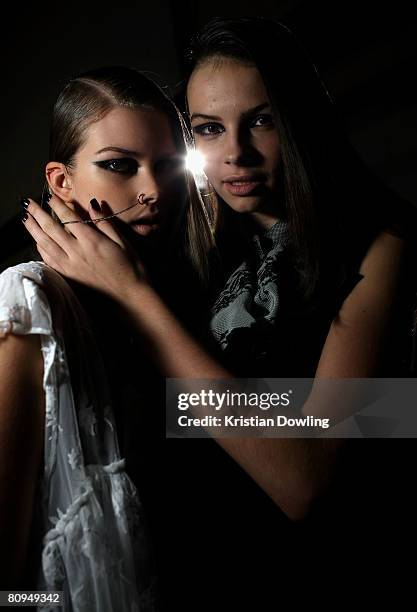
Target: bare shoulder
357,333
381,271
386,252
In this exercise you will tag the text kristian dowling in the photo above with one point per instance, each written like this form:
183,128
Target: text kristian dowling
253,421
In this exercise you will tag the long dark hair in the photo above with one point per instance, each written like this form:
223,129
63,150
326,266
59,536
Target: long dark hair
87,97
333,203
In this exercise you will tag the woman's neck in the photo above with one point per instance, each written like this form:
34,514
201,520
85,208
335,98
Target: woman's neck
264,220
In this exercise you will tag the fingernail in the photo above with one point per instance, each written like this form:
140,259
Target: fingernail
24,202
24,216
95,205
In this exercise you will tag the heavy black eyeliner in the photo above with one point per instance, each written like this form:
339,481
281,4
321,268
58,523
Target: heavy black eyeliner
106,163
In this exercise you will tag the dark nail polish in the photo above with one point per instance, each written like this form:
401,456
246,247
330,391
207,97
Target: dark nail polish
95,205
24,202
24,216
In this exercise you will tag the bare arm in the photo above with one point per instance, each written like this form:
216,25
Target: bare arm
21,444
291,471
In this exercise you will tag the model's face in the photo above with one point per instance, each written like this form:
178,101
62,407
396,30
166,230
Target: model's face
233,126
127,153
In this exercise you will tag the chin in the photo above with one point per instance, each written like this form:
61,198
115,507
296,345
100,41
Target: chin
244,205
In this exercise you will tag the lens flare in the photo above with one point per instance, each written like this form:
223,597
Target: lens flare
194,162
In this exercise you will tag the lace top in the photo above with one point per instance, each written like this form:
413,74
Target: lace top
260,321
250,298
94,546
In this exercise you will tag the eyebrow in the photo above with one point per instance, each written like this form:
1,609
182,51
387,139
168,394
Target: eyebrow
119,150
247,113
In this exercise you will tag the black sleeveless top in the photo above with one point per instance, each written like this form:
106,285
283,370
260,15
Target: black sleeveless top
225,545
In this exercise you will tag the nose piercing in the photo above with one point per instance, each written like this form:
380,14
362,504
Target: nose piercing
140,199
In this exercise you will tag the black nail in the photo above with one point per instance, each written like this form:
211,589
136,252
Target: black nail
24,216
95,205
24,202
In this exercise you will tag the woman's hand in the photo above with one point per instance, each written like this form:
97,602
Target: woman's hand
95,255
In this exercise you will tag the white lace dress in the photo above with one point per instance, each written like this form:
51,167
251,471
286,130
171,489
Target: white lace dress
94,544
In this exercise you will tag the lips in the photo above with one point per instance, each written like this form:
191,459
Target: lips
145,225
243,184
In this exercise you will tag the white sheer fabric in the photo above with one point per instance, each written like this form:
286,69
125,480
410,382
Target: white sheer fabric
94,543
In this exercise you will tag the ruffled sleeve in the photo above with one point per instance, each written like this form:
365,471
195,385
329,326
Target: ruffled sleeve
24,308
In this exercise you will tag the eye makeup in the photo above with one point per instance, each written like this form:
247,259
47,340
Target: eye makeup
208,129
119,165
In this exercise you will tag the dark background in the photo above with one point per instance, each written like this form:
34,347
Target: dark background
365,52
